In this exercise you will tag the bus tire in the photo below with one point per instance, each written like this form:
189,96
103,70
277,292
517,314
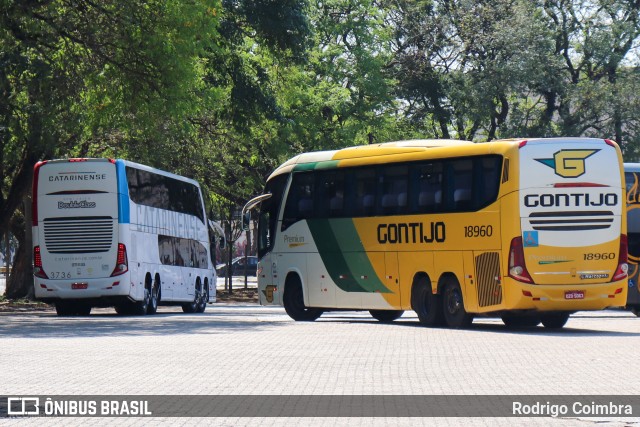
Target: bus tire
386,316
514,321
455,315
139,308
204,298
191,307
636,310
555,320
82,309
65,308
154,298
123,309
293,301
427,306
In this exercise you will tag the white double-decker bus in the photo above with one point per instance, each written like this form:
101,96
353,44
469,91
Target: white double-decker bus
116,233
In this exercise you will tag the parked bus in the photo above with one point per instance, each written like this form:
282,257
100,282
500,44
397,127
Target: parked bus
632,178
116,233
528,230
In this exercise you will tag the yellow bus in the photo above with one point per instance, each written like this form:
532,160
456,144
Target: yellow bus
527,230
632,180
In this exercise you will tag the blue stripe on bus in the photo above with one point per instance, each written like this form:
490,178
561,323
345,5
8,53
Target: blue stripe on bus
123,193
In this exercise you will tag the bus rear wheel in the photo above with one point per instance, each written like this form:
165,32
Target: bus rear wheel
202,304
555,320
427,306
139,308
386,316
154,297
455,315
293,300
192,307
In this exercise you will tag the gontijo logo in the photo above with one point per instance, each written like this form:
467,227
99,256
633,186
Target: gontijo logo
569,163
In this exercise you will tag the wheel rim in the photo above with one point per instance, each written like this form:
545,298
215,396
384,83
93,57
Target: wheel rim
198,296
454,301
154,298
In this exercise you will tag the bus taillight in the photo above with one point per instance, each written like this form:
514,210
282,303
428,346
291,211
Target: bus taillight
517,267
38,271
122,265
623,267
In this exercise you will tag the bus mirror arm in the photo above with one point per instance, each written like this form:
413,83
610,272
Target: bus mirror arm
246,219
251,204
217,229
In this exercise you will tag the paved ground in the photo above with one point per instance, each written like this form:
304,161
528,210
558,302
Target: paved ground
247,349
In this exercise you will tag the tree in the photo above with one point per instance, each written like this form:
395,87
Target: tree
80,77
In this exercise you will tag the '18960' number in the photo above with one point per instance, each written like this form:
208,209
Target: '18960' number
598,256
478,231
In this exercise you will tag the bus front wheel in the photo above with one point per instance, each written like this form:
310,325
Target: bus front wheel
427,306
453,305
293,301
386,316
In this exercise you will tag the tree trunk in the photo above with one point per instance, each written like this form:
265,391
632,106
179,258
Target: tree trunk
20,282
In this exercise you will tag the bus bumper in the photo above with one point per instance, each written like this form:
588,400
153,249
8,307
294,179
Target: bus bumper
519,296
50,289
269,295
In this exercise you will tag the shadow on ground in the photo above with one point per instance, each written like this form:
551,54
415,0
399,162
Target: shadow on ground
217,319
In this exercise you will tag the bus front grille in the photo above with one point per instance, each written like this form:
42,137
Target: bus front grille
78,235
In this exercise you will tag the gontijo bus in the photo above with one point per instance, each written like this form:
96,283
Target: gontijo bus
632,180
529,230
117,233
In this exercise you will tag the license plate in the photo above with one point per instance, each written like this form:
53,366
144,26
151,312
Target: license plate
574,295
79,285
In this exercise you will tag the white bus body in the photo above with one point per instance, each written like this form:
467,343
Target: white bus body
117,233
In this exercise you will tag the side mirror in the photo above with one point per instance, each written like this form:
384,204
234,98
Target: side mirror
246,219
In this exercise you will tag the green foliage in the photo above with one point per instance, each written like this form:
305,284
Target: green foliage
225,90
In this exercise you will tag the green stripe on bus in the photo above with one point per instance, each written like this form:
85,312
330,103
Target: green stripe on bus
328,164
350,271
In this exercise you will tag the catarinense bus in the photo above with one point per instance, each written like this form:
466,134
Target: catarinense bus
528,230
117,233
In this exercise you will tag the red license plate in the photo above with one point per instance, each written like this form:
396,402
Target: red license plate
79,285
574,295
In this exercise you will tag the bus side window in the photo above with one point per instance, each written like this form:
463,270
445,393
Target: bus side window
393,183
486,180
165,248
330,194
426,187
365,192
299,204
461,174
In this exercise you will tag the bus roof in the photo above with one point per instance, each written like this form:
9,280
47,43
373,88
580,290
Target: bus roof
330,159
126,163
